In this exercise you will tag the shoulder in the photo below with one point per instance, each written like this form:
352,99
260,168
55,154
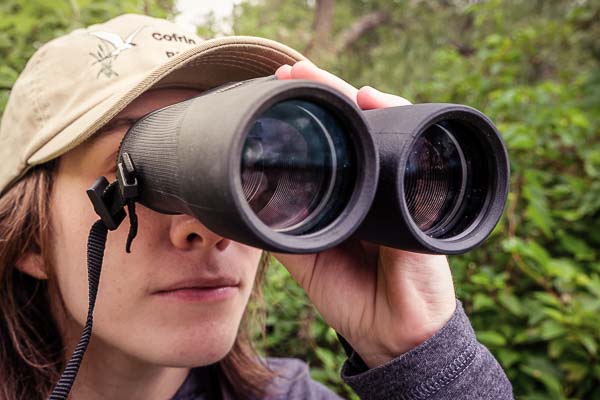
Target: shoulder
293,381
288,368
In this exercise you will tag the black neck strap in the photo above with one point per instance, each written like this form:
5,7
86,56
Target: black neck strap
96,244
109,201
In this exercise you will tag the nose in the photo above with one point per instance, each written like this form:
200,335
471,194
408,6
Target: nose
187,233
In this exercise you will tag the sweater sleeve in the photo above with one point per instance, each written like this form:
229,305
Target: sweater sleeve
449,365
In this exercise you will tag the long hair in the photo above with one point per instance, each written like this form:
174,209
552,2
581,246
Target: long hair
32,353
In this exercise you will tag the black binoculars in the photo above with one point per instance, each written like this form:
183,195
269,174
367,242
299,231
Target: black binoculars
295,166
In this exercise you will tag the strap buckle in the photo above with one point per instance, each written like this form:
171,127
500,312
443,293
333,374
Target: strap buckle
107,202
109,199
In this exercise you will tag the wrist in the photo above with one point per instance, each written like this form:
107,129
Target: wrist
403,339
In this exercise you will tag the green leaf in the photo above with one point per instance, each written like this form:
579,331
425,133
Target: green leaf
589,342
557,347
551,329
507,357
543,371
482,302
491,338
537,208
327,357
511,302
548,299
576,246
7,76
575,372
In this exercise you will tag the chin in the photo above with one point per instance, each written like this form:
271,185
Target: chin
198,356
197,348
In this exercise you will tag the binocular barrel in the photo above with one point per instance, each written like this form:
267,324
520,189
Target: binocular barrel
444,178
295,166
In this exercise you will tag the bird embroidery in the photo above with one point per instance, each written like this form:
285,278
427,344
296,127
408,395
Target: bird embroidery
105,55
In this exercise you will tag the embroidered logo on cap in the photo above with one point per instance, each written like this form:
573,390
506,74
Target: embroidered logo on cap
105,55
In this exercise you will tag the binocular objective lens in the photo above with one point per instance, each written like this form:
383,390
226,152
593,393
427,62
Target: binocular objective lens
435,181
294,162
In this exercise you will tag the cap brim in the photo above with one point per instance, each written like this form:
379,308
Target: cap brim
207,65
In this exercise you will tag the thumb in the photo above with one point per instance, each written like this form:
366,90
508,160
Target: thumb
300,266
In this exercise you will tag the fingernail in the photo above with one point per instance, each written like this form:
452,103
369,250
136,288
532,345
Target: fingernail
283,69
307,61
371,88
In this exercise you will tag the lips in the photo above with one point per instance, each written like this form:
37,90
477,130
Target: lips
203,283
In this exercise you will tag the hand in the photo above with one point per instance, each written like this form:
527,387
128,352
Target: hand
383,301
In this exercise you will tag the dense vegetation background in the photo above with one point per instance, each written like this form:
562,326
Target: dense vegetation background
533,289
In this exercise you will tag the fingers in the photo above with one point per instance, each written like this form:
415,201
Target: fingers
369,98
284,72
309,71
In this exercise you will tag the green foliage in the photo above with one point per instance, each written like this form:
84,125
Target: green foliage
25,25
532,290
294,329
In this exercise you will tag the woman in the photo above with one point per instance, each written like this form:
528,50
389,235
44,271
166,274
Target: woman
168,319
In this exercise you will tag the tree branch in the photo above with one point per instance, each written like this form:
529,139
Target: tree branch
360,27
322,42
321,38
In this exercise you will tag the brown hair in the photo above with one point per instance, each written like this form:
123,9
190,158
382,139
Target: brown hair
32,353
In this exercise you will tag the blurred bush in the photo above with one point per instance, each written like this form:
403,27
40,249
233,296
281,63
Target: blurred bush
532,290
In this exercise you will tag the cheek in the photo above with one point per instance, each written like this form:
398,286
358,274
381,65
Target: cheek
126,319
170,333
71,216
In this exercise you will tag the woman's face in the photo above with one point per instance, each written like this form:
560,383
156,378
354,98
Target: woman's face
178,298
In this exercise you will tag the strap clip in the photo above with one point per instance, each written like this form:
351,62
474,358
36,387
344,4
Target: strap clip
107,202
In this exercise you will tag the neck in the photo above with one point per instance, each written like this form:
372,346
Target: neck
109,374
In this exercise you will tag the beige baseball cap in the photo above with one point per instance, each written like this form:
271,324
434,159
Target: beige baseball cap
75,84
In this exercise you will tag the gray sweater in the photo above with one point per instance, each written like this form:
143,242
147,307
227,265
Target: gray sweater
450,365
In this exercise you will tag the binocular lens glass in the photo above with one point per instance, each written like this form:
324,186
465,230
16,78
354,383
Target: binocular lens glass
435,181
294,162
